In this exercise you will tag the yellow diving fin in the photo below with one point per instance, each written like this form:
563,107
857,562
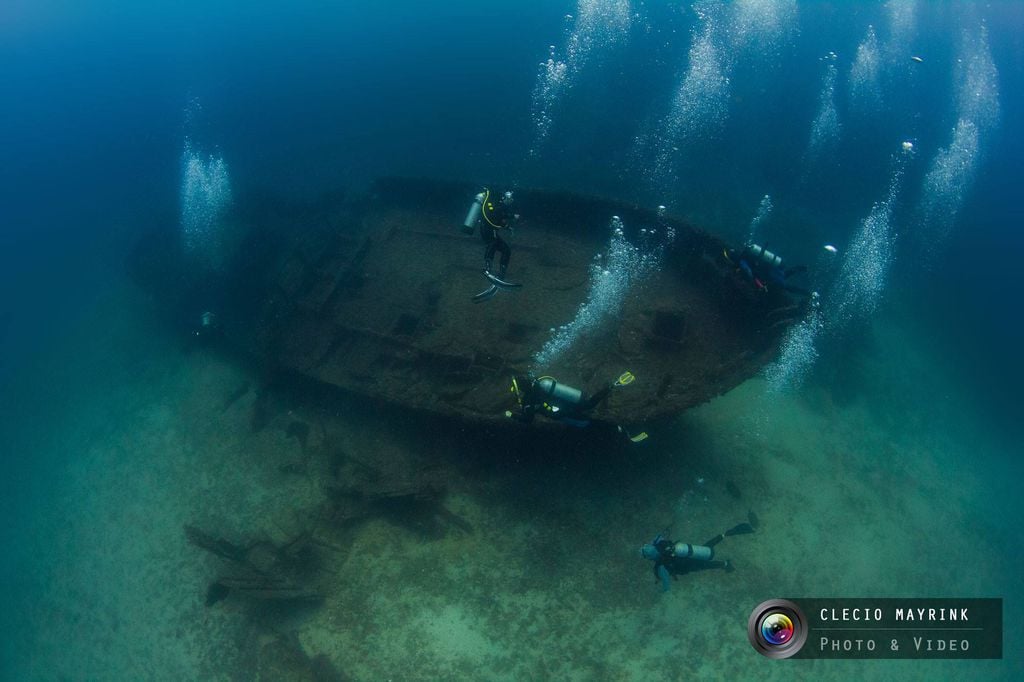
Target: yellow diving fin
637,438
626,379
516,391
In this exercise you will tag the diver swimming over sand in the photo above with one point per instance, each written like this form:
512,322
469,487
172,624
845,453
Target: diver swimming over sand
493,216
678,558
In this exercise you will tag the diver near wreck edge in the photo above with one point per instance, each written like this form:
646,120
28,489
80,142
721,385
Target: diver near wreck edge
761,267
493,215
561,402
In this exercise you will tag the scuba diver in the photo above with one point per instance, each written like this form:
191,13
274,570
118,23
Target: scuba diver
493,215
761,267
203,330
207,326
678,558
561,402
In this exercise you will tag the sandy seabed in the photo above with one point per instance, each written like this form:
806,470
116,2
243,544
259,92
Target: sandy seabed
535,574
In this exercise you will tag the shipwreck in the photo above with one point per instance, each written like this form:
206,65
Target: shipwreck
373,295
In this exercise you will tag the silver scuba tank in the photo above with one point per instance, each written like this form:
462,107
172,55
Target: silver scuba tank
560,394
698,552
764,255
474,214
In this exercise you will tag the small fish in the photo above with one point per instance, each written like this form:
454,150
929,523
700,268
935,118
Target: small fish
919,60
831,249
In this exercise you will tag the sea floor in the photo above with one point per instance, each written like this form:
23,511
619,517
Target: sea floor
529,567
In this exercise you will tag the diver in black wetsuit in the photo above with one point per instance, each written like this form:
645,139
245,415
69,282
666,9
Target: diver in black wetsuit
561,402
557,401
762,268
494,213
678,558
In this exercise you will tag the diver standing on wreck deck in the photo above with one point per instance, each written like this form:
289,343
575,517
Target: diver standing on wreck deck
493,215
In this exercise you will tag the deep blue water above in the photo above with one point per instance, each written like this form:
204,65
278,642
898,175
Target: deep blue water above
319,96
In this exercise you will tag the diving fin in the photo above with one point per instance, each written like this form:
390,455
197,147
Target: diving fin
486,295
500,282
740,529
634,438
625,380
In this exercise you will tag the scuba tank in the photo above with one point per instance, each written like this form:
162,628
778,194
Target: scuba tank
764,255
698,552
474,214
560,395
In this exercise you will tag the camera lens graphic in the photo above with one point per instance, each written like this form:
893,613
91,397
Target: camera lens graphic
777,628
